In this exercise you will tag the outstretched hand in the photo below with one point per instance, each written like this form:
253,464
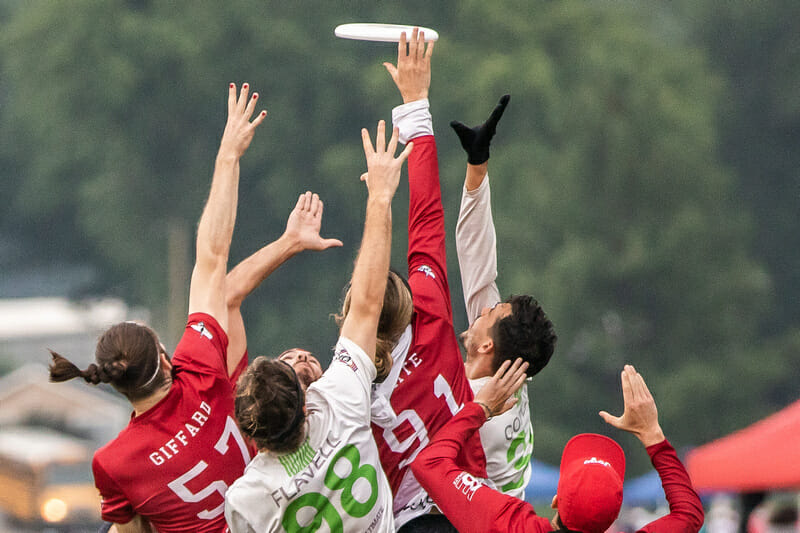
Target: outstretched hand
640,415
305,222
497,395
383,168
412,75
239,130
476,140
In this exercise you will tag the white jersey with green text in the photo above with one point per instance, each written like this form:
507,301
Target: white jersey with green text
507,439
333,482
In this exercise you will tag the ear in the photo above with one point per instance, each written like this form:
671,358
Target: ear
487,346
165,362
554,503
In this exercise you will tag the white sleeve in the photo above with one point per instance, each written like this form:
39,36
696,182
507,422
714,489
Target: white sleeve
237,523
413,119
476,245
347,383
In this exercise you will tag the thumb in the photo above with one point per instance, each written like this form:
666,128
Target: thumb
612,420
331,243
465,133
391,69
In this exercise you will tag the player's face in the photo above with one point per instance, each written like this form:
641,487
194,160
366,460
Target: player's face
305,365
479,330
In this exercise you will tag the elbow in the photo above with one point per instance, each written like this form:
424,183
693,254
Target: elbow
423,466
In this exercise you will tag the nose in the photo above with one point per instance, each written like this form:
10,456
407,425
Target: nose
302,356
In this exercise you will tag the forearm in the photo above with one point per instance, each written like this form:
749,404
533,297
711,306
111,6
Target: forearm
426,234
249,274
475,175
369,275
215,228
686,510
476,246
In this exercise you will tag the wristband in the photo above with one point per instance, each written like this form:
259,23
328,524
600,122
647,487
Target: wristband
489,409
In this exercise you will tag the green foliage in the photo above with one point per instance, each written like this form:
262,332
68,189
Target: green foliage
613,203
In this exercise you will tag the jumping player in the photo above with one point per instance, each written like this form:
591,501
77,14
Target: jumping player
317,461
498,331
589,493
425,383
302,233
170,467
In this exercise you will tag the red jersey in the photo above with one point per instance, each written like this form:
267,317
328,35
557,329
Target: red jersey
173,463
431,385
473,507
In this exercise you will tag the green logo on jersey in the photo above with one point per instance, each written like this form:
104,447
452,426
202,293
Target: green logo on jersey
326,511
523,440
297,460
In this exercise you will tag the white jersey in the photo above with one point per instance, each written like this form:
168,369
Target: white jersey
507,439
334,481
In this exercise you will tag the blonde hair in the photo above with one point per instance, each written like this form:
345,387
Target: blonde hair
398,307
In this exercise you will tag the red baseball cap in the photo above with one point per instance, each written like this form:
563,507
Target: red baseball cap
590,483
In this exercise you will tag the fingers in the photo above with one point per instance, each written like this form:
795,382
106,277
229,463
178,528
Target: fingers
627,390
393,141
231,98
406,152
301,202
368,149
402,48
498,111
260,118
240,105
429,50
380,139
316,206
413,45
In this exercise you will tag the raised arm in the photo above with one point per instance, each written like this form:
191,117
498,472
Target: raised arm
302,233
214,232
640,417
476,243
368,284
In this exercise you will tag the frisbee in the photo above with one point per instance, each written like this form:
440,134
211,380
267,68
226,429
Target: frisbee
388,33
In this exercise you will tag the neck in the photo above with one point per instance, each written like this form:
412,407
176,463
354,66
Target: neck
478,366
145,404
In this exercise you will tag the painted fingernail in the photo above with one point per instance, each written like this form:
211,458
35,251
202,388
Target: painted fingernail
263,113
255,95
231,86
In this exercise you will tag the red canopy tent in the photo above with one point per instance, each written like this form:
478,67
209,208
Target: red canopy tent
763,456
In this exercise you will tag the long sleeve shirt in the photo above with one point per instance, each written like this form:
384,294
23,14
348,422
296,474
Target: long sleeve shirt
473,507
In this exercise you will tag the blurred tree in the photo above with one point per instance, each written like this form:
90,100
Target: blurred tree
756,46
611,204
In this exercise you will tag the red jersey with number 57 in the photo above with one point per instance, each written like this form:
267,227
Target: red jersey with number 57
429,384
173,463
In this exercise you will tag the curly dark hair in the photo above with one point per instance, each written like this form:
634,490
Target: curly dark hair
525,333
269,405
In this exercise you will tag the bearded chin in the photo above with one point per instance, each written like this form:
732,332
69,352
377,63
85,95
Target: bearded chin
305,378
462,340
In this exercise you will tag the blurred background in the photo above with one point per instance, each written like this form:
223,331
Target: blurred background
646,185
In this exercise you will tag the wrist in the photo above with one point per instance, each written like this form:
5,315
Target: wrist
413,97
651,437
486,409
380,198
291,244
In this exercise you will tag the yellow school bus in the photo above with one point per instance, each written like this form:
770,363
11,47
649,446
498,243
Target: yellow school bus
46,478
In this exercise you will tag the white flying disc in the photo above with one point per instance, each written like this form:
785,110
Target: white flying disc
389,33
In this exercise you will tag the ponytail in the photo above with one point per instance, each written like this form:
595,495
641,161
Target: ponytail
62,369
